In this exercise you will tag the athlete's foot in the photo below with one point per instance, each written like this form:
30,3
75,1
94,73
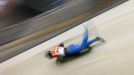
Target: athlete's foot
100,39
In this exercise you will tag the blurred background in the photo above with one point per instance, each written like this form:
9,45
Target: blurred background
27,23
15,11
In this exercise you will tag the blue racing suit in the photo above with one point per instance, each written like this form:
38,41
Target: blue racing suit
77,48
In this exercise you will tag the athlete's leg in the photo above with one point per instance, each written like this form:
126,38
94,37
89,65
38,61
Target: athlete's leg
75,49
85,40
94,40
91,41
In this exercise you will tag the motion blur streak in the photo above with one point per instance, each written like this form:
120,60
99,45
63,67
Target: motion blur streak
20,25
